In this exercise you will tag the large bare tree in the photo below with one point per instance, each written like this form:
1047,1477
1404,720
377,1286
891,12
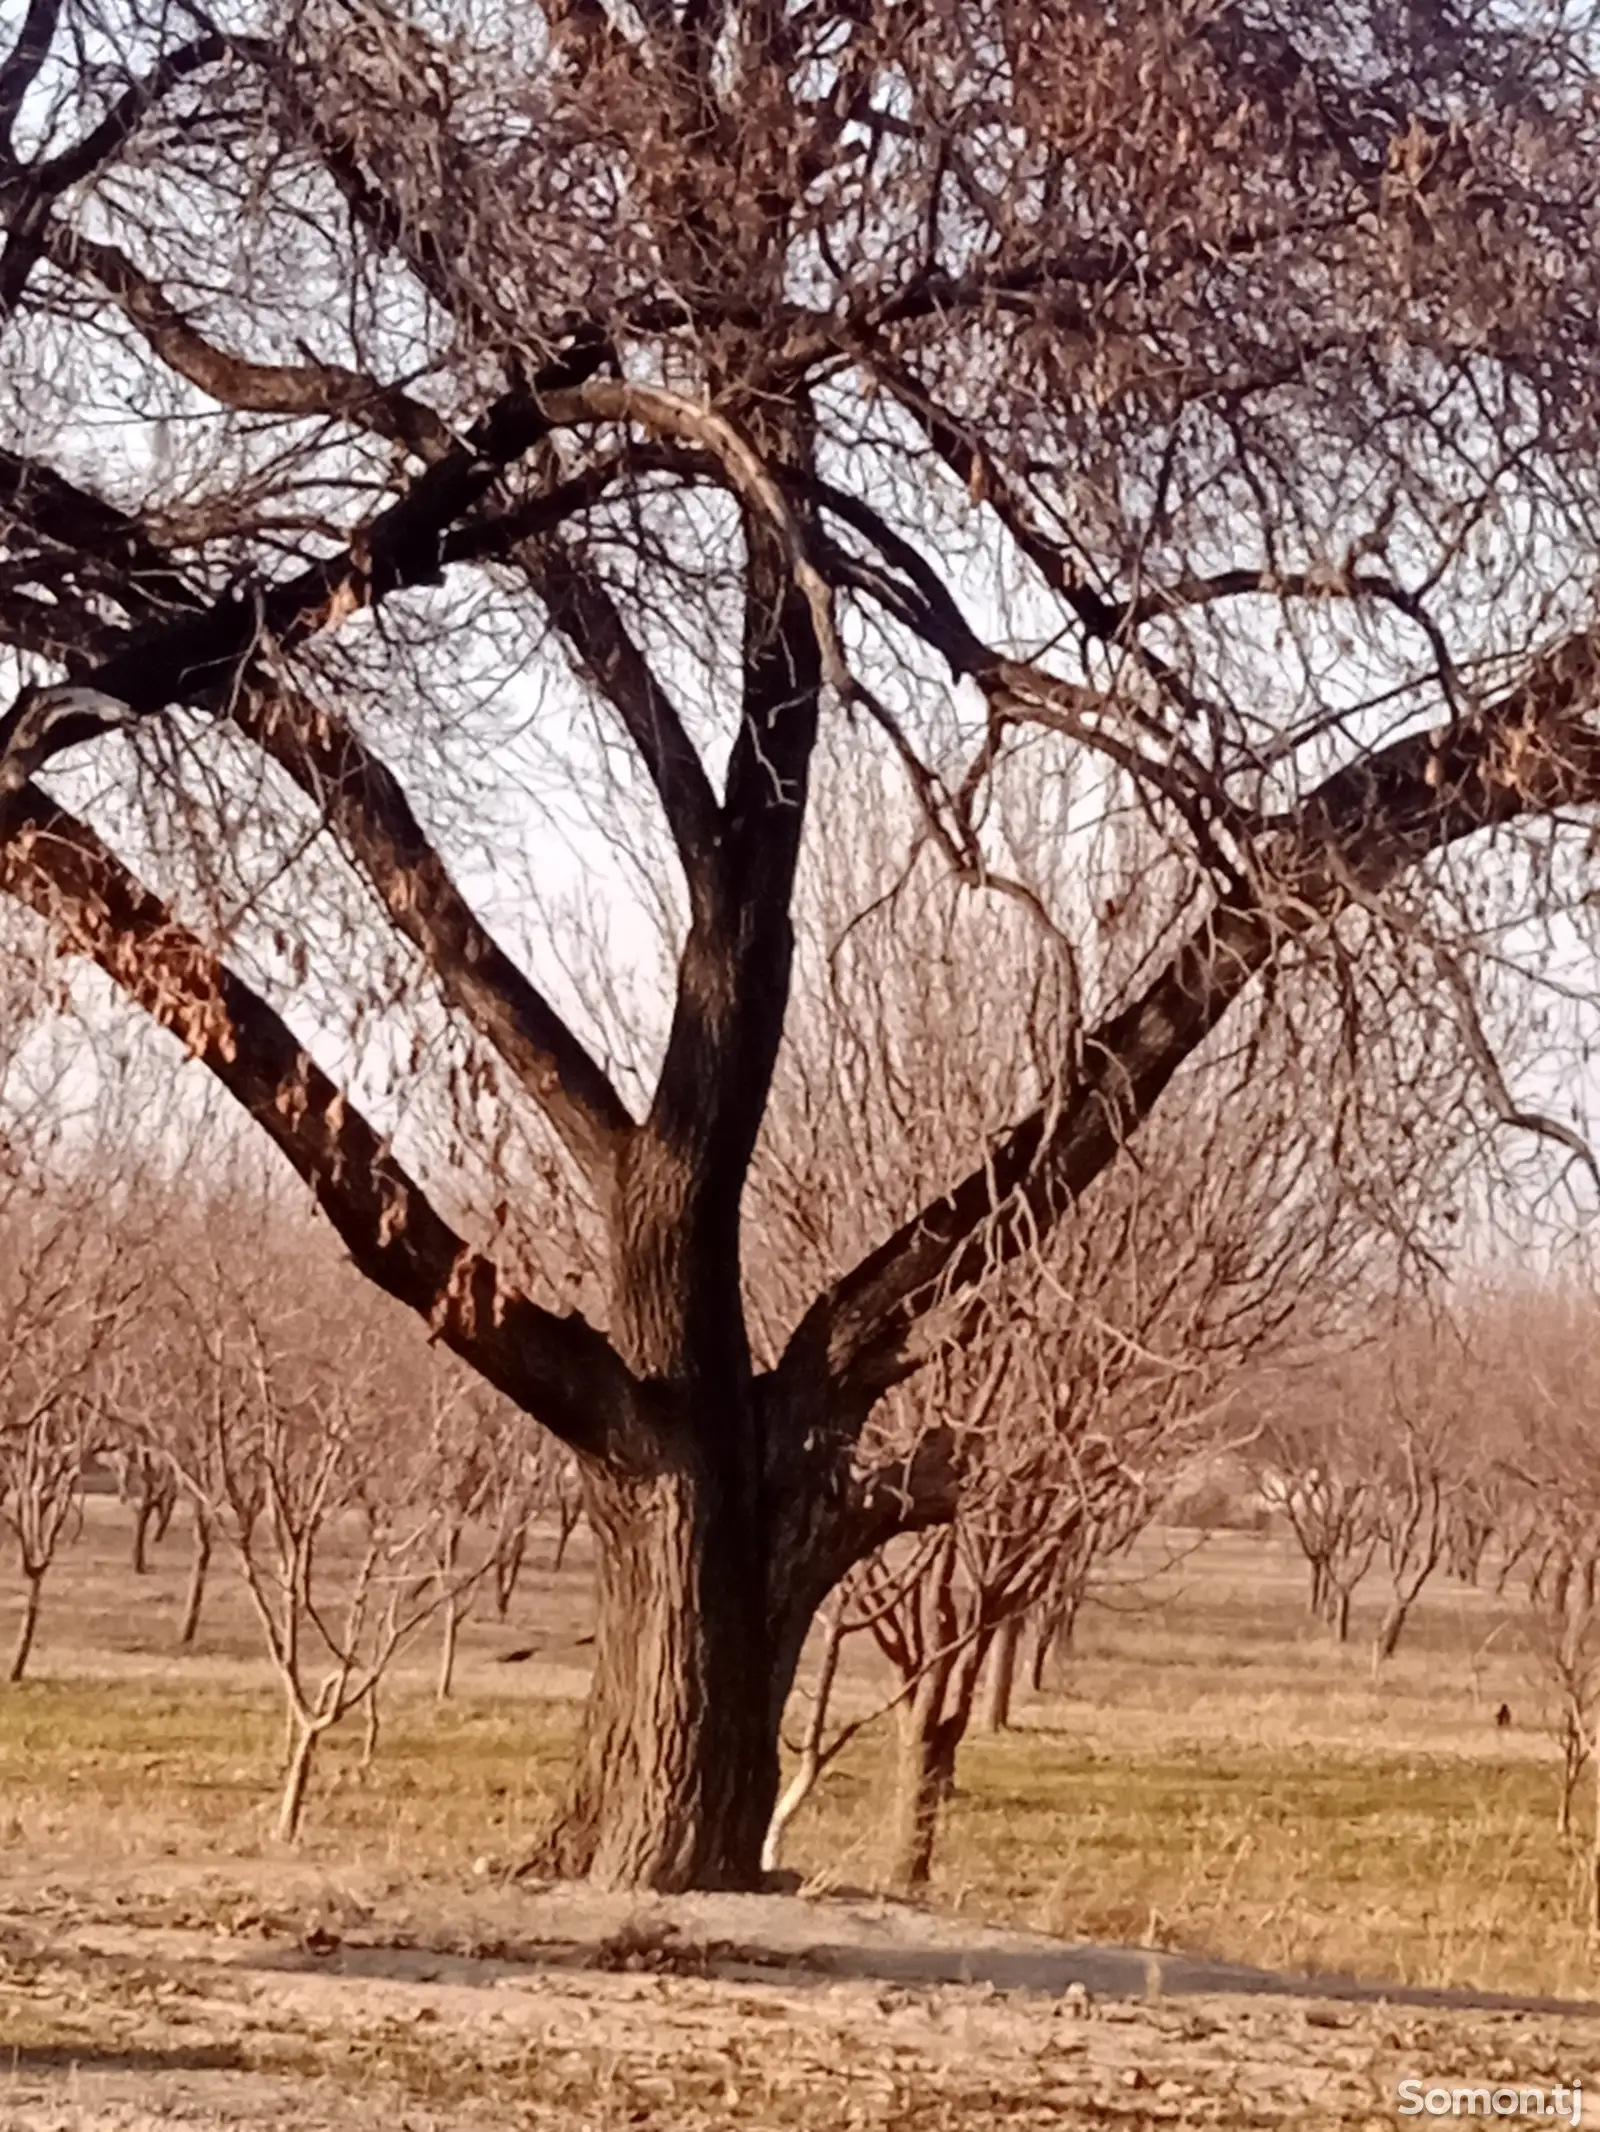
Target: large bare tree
426,427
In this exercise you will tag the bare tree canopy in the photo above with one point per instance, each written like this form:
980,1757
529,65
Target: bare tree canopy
1134,463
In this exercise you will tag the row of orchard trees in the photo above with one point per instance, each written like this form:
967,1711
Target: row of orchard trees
218,1354
1460,1441
360,1485
1465,1445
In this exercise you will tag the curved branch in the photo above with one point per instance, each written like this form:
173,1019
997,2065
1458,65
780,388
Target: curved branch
587,616
558,1369
670,414
53,177
367,806
231,380
364,803
201,656
1361,830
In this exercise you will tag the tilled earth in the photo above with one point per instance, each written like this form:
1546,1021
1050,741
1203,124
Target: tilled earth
277,2000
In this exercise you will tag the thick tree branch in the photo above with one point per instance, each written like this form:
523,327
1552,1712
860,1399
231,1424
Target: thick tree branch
670,414
1355,835
585,613
73,165
21,66
558,1369
308,389
27,196
202,655
368,808
67,525
363,801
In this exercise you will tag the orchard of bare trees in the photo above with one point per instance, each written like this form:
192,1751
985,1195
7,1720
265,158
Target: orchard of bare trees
868,730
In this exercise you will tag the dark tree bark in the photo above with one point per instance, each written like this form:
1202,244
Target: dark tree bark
507,1569
678,1767
450,1621
194,1596
144,1512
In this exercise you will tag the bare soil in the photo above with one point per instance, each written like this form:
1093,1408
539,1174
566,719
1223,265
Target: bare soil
282,1999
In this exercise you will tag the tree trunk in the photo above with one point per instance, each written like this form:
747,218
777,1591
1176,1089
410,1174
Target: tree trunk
143,1516
199,1568
448,1641
291,1807
1000,1677
508,1568
1046,1637
677,1771
1572,1754
566,1526
27,1626
450,1636
1341,1615
924,1779
812,1758
1387,1640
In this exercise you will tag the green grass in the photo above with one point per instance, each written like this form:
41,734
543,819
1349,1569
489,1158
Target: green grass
1442,1871
1218,1779
133,1763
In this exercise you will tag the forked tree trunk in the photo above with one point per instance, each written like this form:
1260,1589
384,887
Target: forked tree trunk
1000,1677
27,1627
508,1568
1044,1636
567,1515
677,1771
199,1568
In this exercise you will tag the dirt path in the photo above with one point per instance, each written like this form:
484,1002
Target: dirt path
280,2001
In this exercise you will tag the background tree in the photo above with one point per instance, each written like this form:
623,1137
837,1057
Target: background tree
333,1479
1174,421
1316,1469
73,1269
1422,1450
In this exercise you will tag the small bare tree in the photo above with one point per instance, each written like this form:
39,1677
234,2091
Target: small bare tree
70,1276
42,1461
1319,1477
338,1495
146,1481
1421,1456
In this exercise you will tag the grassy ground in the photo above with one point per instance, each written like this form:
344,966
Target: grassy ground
1208,1776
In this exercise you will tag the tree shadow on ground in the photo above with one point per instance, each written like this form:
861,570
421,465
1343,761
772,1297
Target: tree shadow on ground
91,2057
1103,1971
